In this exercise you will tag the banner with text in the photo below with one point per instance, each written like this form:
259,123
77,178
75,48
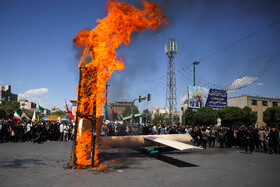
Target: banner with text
217,99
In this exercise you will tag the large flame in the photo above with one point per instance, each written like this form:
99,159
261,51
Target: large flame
109,34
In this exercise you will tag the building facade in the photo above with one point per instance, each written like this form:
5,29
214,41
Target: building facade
119,107
6,95
183,108
157,110
26,105
257,104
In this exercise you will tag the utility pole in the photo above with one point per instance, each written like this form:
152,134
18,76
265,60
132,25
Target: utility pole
171,98
194,63
141,98
106,104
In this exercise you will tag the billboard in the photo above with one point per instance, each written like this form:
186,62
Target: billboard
217,99
197,96
201,97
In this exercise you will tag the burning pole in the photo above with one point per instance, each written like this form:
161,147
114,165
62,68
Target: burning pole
94,133
88,57
73,158
101,43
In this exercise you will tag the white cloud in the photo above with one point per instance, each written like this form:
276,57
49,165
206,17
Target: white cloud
240,83
260,84
34,94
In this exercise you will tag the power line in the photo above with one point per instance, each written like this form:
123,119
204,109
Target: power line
244,38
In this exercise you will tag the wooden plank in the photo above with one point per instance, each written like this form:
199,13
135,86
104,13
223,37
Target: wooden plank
171,143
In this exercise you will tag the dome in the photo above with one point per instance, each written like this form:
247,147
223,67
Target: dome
197,94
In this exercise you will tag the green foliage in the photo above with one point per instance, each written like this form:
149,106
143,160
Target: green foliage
2,112
272,115
10,108
188,117
176,120
58,113
159,118
205,116
127,111
148,115
248,118
230,115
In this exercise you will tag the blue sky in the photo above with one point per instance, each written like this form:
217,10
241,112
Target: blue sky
40,63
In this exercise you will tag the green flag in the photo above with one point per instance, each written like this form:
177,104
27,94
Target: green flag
41,109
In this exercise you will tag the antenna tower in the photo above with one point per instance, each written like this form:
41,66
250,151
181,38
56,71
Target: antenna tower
171,99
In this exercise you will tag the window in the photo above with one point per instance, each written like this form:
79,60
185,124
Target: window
254,102
264,103
275,104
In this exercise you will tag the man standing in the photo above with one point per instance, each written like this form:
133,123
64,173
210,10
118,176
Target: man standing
213,135
262,137
61,129
273,140
28,131
65,132
155,129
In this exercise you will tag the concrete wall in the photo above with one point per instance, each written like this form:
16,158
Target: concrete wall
238,101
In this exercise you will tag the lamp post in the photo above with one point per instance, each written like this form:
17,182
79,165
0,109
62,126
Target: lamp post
194,63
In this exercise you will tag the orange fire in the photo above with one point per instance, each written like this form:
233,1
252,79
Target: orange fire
111,32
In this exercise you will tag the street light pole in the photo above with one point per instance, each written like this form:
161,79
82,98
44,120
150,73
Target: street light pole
139,99
194,63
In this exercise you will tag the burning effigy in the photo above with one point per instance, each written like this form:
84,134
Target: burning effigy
99,60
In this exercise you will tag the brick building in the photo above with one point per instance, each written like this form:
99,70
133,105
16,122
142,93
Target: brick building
257,104
119,107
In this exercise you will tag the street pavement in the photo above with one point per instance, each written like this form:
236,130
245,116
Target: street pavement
28,164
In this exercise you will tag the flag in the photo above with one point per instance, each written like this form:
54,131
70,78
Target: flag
23,115
16,116
70,115
41,109
34,117
38,118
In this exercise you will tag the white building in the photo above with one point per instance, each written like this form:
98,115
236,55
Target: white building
26,105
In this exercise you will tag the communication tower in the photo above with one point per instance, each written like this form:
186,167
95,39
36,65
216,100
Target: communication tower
171,98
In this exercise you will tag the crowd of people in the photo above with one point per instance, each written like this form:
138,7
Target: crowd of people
264,139
12,130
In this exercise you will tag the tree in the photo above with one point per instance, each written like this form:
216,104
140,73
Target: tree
10,108
248,118
188,117
58,113
127,111
2,112
230,115
205,116
272,115
147,115
159,118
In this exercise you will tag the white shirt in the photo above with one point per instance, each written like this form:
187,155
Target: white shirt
61,128
28,127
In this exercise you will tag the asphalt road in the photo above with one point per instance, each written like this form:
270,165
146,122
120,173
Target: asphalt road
28,164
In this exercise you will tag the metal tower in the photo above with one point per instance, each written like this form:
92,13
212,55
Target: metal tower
171,98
